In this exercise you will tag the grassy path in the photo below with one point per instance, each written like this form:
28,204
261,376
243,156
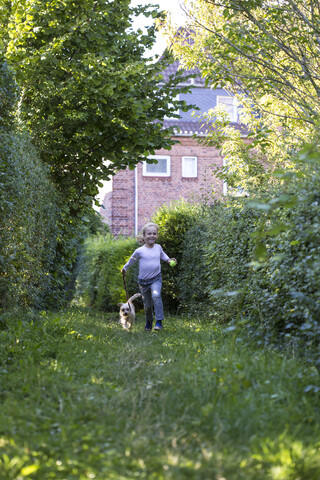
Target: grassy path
83,399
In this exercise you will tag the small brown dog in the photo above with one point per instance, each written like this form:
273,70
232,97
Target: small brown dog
127,312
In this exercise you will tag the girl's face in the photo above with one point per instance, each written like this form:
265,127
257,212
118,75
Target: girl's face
150,236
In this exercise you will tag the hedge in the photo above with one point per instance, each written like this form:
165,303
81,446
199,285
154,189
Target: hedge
100,282
28,223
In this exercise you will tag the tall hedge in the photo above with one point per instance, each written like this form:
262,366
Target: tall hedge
174,220
100,282
215,263
257,261
39,242
28,209
28,223
286,289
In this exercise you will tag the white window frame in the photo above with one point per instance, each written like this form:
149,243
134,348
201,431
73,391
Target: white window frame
234,116
157,174
184,175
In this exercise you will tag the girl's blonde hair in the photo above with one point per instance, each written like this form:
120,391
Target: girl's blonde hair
140,237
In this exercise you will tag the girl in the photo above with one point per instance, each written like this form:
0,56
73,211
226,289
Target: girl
149,280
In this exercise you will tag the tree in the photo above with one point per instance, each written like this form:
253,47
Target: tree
92,102
8,95
260,47
266,53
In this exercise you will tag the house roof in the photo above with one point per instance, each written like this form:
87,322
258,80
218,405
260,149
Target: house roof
186,128
172,69
201,95
183,127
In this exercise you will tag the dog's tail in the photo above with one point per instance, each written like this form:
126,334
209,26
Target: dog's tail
137,295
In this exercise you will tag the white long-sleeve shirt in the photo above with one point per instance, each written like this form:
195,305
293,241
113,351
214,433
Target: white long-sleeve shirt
149,261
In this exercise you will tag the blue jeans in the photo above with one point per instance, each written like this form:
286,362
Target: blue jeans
151,296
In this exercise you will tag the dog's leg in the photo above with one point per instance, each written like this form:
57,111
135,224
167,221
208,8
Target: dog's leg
137,295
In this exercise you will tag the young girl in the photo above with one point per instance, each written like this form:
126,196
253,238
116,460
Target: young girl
149,280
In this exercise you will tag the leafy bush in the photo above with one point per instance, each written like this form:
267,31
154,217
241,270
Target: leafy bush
174,221
28,223
100,283
215,264
286,289
8,95
257,261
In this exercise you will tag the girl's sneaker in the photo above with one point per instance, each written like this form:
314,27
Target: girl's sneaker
158,325
148,326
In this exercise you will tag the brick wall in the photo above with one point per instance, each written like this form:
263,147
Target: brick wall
152,192
119,204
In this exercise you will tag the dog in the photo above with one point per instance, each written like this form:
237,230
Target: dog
127,312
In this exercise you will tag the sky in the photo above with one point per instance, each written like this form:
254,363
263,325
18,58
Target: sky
171,6
177,15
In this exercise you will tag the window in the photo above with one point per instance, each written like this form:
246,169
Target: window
159,169
189,167
230,106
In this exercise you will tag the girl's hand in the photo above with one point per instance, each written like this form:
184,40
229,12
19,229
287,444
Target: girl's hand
172,260
123,271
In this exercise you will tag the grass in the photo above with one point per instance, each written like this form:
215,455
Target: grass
83,399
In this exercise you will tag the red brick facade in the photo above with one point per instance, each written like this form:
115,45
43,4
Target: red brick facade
135,197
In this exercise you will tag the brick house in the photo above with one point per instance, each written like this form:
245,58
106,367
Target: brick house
185,171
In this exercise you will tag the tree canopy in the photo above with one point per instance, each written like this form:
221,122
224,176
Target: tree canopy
259,47
266,53
80,101
91,100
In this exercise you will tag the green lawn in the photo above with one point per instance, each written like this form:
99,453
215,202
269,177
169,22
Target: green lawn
83,399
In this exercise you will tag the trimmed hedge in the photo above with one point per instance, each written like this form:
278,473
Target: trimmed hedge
28,210
257,262
40,239
174,220
28,223
100,282
217,250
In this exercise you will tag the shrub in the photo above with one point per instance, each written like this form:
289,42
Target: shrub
257,261
215,264
174,221
100,283
287,286
28,223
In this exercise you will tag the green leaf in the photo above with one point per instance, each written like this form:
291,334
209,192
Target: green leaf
28,470
260,252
